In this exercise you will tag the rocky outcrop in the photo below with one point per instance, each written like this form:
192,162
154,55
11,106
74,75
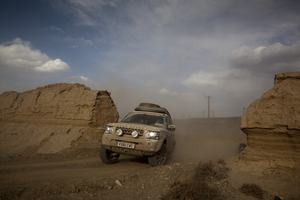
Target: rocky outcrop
51,118
59,102
272,126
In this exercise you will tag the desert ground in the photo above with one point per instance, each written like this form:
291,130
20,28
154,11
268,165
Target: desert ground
78,173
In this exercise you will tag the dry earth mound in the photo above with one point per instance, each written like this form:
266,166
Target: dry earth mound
272,125
53,118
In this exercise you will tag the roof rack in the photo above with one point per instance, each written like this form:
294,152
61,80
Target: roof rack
150,107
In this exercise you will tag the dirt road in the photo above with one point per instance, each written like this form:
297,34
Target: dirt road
80,177
89,178
86,168
79,173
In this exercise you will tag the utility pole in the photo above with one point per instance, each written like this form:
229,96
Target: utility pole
208,97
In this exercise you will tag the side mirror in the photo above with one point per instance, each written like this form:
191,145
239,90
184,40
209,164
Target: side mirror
171,127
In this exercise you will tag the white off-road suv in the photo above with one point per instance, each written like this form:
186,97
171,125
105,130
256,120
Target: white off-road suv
147,131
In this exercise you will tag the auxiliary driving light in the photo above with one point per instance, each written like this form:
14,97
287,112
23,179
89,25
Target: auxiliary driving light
119,132
135,134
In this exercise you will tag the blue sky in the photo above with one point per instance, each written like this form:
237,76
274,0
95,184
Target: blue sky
169,52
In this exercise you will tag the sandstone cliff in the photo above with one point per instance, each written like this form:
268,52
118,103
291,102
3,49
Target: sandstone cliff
272,125
50,119
59,102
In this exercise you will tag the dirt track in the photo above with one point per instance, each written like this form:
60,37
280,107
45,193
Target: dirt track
89,178
86,168
79,173
63,177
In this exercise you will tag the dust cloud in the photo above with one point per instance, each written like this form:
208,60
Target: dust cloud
203,140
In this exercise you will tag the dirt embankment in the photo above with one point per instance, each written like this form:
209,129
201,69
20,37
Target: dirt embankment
272,125
53,118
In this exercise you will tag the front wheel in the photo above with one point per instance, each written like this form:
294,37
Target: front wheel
160,157
108,156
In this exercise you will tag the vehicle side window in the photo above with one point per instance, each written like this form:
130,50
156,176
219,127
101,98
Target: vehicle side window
171,122
168,121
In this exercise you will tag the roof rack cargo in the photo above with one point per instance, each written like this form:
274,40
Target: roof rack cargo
150,107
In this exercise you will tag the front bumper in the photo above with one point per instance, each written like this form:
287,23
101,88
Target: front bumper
143,147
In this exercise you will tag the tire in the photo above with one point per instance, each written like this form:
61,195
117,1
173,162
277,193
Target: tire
108,156
160,157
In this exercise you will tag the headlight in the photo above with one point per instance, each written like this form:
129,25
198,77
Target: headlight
152,135
109,129
119,132
135,134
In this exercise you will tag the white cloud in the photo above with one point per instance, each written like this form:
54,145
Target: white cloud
19,58
74,79
165,91
203,78
53,66
81,79
276,58
179,96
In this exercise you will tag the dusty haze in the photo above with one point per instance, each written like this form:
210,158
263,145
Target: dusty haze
204,140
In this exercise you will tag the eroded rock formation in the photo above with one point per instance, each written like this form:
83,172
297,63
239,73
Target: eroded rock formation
272,125
52,118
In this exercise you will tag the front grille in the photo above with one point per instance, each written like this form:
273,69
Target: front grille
128,131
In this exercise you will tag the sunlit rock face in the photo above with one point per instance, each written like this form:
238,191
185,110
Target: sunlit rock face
59,102
272,126
52,118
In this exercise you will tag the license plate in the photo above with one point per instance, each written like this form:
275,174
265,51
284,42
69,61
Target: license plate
125,145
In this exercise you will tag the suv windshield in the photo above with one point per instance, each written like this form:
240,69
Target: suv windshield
145,119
